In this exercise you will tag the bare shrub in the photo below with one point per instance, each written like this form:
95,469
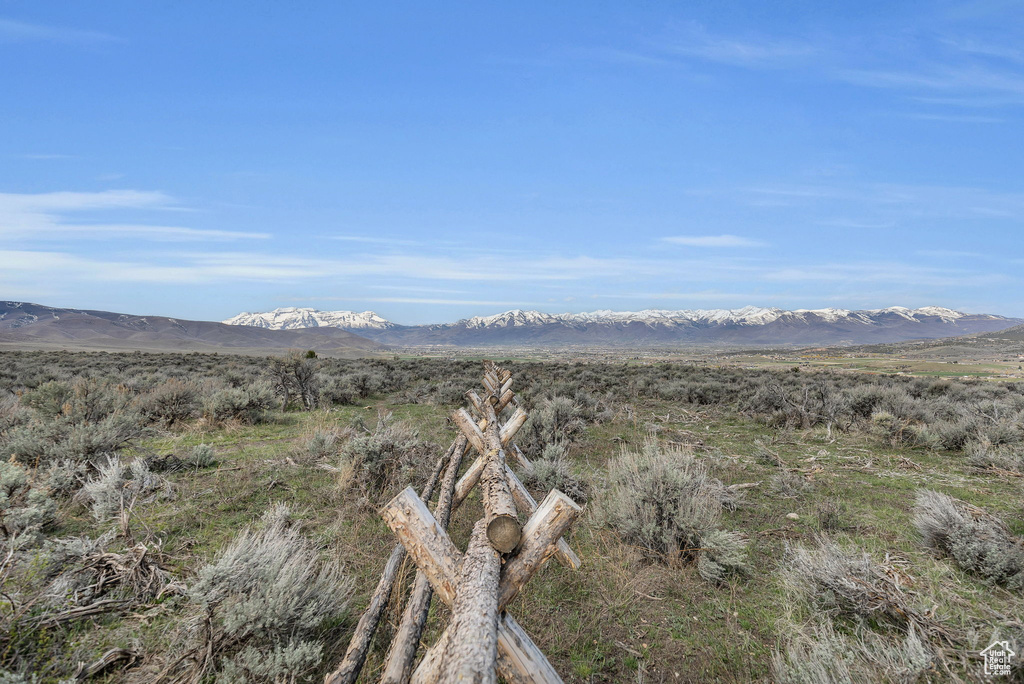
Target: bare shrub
851,585
980,543
765,456
983,454
71,580
83,571
831,514
665,500
296,376
265,607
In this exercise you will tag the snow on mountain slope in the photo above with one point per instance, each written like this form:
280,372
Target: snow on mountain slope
291,318
749,315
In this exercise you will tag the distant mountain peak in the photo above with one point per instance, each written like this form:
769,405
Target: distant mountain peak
293,317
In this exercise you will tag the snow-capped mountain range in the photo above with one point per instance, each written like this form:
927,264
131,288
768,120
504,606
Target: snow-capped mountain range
290,318
750,325
748,315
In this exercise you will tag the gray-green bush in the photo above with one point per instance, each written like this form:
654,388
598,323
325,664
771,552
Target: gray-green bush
25,507
552,471
665,500
382,460
266,606
117,487
980,543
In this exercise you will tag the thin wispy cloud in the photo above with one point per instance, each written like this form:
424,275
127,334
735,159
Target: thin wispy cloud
696,41
954,118
58,215
210,266
950,70
702,296
178,269
891,202
974,80
951,254
887,272
857,224
713,241
437,301
156,233
985,48
418,288
374,240
12,30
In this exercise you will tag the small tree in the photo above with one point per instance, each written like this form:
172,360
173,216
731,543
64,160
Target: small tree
295,375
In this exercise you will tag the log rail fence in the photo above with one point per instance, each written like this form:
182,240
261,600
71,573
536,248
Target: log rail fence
481,640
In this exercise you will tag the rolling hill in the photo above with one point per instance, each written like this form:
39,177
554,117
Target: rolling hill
34,326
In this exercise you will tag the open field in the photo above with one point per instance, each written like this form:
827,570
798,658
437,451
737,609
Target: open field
814,455
990,370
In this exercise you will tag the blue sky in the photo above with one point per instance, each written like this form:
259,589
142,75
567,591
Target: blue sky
432,161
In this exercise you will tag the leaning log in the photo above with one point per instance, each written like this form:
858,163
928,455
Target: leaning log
541,535
523,499
468,426
511,427
528,505
427,544
519,659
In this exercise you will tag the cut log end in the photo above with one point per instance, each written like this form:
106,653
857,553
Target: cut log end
504,533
